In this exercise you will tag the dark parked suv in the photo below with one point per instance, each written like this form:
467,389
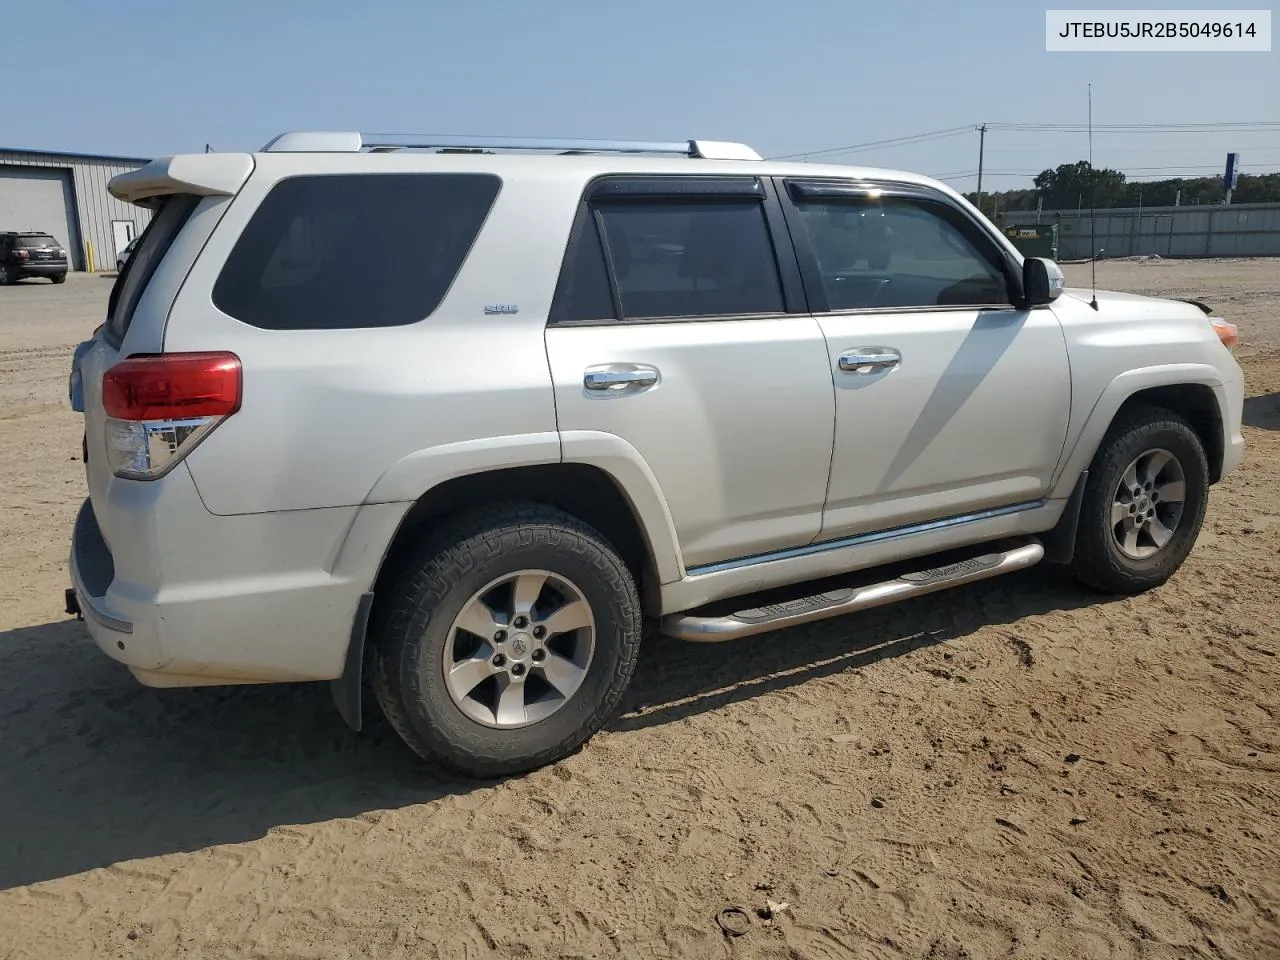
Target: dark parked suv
31,255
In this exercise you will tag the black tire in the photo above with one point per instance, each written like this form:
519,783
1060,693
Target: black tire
1099,562
412,625
7,276
59,278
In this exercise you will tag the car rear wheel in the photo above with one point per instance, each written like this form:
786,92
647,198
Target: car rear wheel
6,276
506,642
59,278
1144,503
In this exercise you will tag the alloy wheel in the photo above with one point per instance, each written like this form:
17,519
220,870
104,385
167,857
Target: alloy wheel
519,649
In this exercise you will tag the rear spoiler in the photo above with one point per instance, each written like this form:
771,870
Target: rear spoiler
201,174
1196,303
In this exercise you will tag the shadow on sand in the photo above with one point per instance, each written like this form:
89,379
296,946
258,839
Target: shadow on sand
1263,412
97,769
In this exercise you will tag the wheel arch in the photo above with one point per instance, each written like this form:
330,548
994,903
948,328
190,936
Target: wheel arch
1198,405
1194,391
596,477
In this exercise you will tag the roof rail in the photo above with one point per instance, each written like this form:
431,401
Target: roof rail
350,142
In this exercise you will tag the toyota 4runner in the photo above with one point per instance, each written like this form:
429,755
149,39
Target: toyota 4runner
574,385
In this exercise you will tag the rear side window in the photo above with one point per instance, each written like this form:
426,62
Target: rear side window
153,243
583,293
342,251
670,258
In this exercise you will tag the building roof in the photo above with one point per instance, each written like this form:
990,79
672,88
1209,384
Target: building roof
72,156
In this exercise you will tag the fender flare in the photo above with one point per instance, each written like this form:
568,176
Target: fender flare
1113,397
413,476
623,463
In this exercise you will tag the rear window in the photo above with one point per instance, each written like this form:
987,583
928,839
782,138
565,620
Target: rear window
347,251
36,240
152,244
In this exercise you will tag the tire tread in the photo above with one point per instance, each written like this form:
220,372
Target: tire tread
1095,564
436,566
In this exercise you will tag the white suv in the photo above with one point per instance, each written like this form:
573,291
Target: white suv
455,423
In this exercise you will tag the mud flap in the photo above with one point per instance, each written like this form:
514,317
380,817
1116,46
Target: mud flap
1060,542
347,688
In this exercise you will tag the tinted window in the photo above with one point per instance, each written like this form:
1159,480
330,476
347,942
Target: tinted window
583,291
166,221
691,259
35,240
371,250
897,252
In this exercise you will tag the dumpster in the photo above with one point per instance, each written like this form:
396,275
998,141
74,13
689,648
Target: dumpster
1034,239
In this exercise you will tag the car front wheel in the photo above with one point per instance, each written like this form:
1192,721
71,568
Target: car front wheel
507,642
1144,503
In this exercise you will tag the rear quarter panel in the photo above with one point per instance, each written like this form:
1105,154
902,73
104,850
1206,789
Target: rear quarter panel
326,412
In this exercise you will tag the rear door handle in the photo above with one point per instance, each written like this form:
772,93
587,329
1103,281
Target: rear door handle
620,379
869,360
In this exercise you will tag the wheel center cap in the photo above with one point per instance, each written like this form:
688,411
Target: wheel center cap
1144,502
520,645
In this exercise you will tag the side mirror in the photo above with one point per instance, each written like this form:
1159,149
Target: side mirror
1042,281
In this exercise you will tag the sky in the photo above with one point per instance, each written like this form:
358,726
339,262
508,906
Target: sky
145,78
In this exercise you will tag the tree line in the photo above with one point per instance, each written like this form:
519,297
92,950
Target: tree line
1067,187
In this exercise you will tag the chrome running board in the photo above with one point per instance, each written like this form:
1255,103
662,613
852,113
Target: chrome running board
835,603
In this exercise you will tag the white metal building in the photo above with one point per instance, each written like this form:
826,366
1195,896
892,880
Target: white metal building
65,195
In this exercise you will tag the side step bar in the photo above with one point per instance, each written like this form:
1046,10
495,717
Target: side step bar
835,603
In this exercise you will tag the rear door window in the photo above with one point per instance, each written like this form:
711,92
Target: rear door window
666,257
153,243
348,251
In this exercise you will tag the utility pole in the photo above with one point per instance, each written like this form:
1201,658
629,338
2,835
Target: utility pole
982,138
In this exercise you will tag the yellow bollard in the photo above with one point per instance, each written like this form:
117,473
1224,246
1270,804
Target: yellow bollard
88,249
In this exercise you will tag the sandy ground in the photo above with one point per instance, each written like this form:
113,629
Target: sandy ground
1013,769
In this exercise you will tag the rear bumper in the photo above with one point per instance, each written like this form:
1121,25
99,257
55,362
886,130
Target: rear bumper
92,572
249,599
38,269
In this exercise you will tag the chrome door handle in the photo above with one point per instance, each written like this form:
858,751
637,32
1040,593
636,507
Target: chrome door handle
620,378
869,360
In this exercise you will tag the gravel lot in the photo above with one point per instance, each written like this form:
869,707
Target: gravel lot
1011,769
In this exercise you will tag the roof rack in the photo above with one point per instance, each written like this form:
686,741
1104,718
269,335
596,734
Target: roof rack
351,142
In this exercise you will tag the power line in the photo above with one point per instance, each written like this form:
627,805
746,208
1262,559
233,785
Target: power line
1245,126
1257,125
873,144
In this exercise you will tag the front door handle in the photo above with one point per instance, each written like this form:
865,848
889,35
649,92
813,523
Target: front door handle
620,379
869,360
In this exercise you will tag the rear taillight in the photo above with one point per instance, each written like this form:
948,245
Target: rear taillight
22,255
62,253
160,407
